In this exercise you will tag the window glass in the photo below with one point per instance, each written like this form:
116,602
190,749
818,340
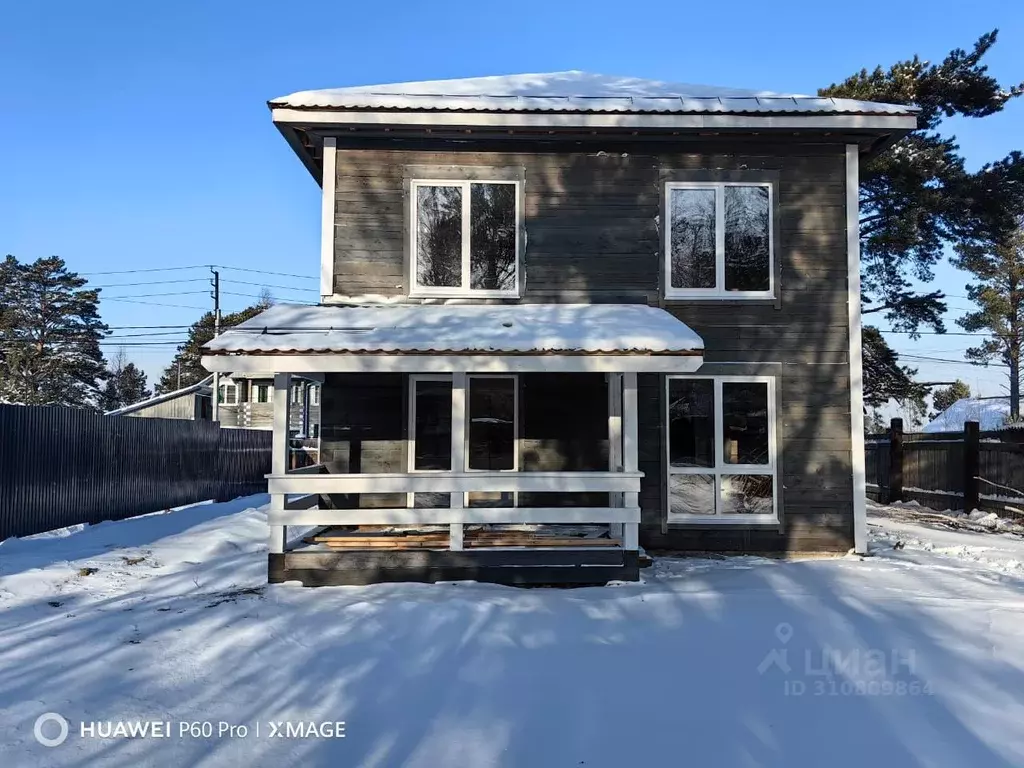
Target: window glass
692,216
229,394
747,263
439,236
433,425
721,459
744,422
491,426
692,494
747,495
492,255
691,414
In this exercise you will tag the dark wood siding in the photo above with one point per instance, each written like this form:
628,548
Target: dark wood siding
363,430
593,234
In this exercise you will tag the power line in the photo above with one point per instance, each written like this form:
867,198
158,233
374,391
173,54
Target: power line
139,271
142,327
268,285
152,282
934,333
155,303
147,295
257,296
265,272
956,362
143,335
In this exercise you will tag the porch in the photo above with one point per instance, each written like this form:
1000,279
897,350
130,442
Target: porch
515,466
418,464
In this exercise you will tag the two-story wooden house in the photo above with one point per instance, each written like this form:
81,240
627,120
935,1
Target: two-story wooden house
568,315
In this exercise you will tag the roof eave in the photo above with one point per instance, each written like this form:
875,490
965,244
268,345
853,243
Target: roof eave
299,124
291,116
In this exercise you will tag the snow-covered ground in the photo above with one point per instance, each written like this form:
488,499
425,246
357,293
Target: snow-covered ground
913,657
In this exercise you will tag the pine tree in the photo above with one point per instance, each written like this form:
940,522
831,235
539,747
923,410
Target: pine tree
125,384
945,397
50,335
874,422
884,377
186,366
998,290
917,197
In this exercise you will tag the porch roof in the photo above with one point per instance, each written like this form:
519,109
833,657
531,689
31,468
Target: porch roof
453,329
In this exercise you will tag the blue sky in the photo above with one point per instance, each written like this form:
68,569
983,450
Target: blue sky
136,135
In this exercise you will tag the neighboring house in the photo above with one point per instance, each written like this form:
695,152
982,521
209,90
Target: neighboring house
570,299
192,403
991,414
247,401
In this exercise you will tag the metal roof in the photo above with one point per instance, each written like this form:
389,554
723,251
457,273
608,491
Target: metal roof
576,92
461,329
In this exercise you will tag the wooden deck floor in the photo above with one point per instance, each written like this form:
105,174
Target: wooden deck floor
519,555
475,537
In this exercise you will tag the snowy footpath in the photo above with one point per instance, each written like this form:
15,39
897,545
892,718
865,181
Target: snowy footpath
912,657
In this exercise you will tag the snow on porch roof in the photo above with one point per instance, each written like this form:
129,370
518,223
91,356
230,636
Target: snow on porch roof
461,329
575,91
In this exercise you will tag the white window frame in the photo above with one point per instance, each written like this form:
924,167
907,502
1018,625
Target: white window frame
314,394
720,467
255,392
429,291
718,292
233,388
414,379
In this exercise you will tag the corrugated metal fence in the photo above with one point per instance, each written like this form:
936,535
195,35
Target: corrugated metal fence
64,466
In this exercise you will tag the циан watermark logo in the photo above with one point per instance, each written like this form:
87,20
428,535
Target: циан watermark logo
40,729
828,671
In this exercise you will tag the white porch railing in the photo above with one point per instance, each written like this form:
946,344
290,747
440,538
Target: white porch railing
290,513
294,495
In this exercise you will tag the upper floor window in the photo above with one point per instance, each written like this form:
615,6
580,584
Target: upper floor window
465,238
718,242
229,394
261,393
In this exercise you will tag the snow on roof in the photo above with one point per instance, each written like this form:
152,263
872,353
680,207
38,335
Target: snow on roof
200,386
462,329
990,413
574,91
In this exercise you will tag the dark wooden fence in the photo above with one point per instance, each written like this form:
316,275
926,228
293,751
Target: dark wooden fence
64,466
948,470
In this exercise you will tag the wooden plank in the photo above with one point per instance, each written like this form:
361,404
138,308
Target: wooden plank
468,515
402,542
383,482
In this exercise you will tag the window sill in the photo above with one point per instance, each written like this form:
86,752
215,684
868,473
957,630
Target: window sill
724,521
464,296
764,298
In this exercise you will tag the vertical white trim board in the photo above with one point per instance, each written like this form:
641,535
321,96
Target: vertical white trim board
860,511
329,182
279,456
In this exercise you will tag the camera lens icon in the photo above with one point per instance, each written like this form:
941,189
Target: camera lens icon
44,720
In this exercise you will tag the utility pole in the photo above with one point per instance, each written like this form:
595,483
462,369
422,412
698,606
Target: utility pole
216,332
179,374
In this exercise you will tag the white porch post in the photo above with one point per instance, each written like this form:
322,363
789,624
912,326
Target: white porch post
615,442
458,451
630,455
279,455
